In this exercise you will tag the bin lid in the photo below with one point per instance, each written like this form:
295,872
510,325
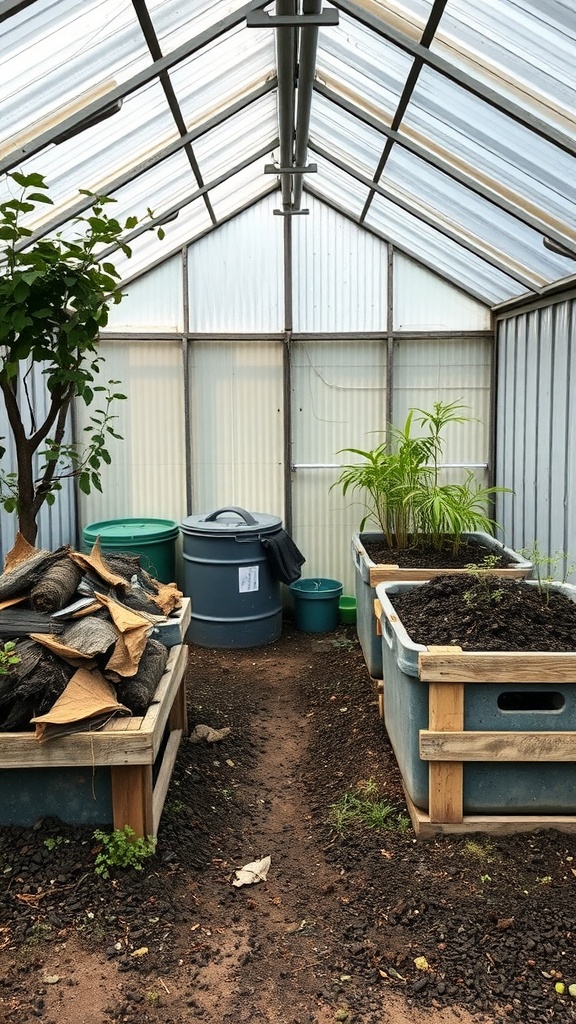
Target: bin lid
231,520
124,530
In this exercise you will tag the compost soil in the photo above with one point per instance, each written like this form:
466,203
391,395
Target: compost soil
445,557
353,923
487,613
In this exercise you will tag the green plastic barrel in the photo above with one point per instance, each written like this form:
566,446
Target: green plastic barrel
316,604
154,540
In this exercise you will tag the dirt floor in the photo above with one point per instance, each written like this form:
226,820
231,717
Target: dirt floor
356,921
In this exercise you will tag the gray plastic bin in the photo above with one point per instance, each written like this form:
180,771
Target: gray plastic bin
235,598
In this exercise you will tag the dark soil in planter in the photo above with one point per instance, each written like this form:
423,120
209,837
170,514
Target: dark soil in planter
420,555
487,613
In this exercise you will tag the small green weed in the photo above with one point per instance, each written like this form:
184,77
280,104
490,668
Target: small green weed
121,849
8,657
51,842
485,589
364,807
482,850
174,807
344,643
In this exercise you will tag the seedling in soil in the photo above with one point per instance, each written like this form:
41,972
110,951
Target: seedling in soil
547,569
485,590
122,849
364,807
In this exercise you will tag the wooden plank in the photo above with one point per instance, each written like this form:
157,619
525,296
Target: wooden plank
156,717
163,778
497,746
497,667
394,574
132,798
378,613
86,748
178,717
446,778
489,824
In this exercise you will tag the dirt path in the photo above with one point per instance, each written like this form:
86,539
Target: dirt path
331,935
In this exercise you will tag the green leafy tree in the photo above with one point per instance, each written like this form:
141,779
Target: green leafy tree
55,294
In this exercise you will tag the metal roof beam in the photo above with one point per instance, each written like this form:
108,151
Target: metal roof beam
409,86
52,135
443,67
78,208
432,222
149,32
412,254
490,195
10,7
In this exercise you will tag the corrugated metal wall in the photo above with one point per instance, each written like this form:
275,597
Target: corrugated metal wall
536,430
339,272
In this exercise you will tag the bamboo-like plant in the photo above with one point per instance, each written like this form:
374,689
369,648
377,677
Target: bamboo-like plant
399,485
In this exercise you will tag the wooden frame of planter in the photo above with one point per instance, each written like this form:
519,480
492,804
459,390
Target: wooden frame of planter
139,752
446,745
369,574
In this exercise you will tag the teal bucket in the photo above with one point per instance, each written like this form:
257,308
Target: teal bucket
316,604
154,540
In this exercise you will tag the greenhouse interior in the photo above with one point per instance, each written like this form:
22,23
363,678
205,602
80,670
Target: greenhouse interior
335,213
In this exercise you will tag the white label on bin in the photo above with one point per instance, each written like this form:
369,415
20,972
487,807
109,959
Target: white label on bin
248,579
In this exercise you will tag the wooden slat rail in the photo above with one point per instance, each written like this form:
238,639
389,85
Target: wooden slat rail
497,746
388,573
452,665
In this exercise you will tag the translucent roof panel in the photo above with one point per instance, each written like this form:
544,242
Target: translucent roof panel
174,22
56,57
345,136
222,72
440,253
141,128
479,169
337,187
496,149
352,59
241,189
525,48
502,236
242,134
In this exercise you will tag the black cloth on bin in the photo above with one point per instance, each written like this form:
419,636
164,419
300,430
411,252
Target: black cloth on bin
284,557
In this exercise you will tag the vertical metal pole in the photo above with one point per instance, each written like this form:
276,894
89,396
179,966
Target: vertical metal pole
287,373
390,336
186,375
